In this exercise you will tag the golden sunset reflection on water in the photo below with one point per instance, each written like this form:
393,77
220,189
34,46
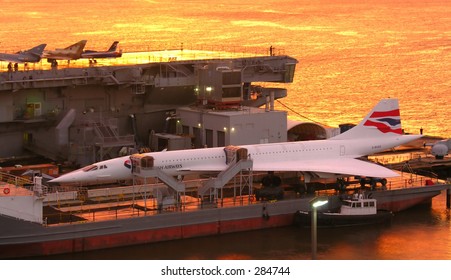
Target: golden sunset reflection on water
351,53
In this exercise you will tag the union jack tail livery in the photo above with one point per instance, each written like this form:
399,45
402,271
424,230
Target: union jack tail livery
383,120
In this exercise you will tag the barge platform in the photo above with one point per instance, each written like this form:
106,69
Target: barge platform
39,221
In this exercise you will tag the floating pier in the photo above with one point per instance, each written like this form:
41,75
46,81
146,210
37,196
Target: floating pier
37,220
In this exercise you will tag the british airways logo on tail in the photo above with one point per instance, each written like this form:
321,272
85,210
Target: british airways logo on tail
388,121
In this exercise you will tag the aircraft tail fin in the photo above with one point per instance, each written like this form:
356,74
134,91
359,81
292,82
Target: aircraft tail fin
78,47
38,50
113,46
383,120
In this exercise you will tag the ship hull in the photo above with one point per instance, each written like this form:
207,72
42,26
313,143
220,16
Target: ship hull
402,199
20,239
82,244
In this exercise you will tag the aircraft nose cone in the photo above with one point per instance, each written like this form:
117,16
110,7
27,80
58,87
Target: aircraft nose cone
57,180
66,178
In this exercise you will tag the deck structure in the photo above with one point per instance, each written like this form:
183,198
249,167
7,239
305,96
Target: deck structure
86,113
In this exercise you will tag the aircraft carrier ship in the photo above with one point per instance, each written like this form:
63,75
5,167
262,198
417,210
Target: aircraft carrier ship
83,113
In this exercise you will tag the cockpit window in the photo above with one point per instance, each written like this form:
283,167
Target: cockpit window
89,168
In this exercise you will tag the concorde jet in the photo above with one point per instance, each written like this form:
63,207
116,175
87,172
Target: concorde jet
335,157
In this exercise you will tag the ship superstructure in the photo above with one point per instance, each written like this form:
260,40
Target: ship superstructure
87,113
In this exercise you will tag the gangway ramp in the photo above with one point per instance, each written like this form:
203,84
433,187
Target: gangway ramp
225,176
238,162
143,168
164,177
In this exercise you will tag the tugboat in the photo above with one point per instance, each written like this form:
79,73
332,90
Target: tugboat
353,212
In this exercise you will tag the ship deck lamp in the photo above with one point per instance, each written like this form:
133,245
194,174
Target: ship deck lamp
314,204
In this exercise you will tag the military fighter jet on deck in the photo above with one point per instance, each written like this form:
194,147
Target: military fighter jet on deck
32,55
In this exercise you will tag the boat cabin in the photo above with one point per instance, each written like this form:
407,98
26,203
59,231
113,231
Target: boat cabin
359,207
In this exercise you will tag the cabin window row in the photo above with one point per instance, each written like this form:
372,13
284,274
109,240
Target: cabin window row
189,159
368,204
292,151
365,204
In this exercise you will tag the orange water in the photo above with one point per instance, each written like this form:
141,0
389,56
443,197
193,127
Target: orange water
351,54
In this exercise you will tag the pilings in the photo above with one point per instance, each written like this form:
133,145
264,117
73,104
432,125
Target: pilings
448,198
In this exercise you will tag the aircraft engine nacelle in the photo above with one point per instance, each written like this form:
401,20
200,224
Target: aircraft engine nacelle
439,150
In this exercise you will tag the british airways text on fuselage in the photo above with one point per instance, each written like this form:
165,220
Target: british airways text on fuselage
170,166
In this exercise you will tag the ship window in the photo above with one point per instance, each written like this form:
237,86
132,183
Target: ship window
347,203
231,78
231,92
89,168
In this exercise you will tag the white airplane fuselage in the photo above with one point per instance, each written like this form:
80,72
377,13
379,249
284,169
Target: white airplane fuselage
184,162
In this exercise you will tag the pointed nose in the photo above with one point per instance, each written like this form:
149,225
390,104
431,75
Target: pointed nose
72,177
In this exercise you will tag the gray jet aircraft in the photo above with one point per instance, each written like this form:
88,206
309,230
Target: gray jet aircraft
32,55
